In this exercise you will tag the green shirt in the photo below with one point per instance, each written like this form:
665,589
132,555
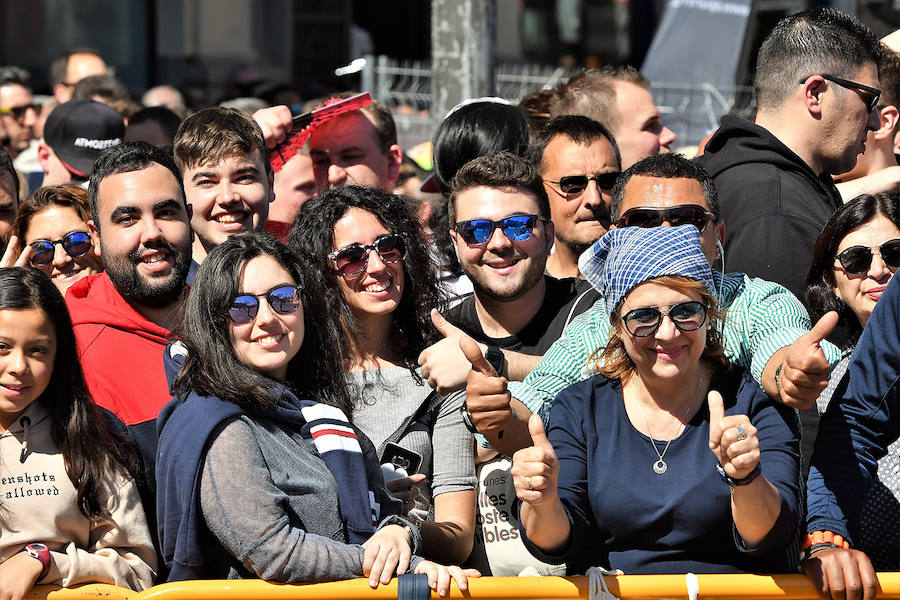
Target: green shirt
761,317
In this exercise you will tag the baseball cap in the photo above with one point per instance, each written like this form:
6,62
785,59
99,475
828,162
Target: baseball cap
79,130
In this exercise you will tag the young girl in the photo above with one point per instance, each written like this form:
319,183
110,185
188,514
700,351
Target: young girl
69,509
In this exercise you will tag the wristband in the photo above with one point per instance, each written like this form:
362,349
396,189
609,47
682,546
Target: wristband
824,536
778,379
42,553
731,481
467,418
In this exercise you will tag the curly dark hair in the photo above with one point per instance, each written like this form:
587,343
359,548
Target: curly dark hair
91,451
212,368
820,281
312,236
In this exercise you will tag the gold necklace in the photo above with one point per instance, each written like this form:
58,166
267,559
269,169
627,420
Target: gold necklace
660,466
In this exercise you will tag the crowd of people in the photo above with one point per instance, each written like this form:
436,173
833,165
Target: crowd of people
216,364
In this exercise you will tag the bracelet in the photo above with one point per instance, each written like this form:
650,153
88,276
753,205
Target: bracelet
807,553
467,418
824,536
751,476
778,379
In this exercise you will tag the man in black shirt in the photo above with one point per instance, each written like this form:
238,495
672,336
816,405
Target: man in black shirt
502,233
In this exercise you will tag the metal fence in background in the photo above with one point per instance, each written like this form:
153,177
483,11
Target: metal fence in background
690,110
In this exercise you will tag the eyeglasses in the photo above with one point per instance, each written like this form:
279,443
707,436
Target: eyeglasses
353,259
75,243
19,112
643,322
869,95
685,214
575,184
857,260
284,299
516,228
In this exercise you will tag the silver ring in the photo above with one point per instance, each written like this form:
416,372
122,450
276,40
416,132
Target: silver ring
742,435
530,482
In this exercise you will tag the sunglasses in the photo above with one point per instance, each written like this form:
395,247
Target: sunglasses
856,260
686,214
575,184
517,228
354,259
75,243
643,322
284,299
18,112
869,95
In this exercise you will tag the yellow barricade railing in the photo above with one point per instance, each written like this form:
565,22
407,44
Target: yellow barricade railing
625,587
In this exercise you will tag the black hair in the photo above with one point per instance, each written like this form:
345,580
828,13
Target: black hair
11,75
126,158
820,282
666,166
92,454
167,120
578,128
500,170
6,165
312,236
212,368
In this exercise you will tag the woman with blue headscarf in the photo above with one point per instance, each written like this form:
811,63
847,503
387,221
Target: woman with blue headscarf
672,460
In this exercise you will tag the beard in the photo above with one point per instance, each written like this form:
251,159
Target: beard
156,291
506,289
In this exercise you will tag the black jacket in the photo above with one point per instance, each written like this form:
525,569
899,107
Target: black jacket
772,203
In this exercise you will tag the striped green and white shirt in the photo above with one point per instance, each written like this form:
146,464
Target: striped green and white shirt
761,317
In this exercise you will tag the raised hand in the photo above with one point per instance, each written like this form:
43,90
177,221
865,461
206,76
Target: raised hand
535,469
12,257
486,395
805,369
732,439
443,363
275,122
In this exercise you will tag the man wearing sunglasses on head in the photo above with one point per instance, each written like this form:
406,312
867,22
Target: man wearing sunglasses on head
818,94
579,162
766,329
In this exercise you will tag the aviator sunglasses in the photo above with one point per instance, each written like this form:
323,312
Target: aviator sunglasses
516,228
75,243
284,299
856,260
575,184
686,214
353,259
643,322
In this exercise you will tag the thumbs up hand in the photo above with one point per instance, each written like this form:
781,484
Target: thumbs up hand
804,368
732,439
443,363
535,469
487,398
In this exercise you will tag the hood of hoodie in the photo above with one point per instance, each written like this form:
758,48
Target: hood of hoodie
95,301
739,142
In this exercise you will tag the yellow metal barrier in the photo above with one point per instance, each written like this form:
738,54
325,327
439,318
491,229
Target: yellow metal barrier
625,587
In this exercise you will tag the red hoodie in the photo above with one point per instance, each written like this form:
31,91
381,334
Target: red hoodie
121,352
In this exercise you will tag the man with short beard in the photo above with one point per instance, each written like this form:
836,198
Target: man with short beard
123,318
502,233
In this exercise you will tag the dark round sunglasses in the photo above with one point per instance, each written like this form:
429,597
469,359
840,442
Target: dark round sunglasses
857,260
284,299
353,259
575,184
75,243
19,112
685,214
643,322
517,228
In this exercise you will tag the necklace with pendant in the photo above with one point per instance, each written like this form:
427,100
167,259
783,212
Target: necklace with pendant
660,466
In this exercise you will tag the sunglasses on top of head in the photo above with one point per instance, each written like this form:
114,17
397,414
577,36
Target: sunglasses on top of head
643,322
75,243
856,260
685,214
283,299
575,184
354,258
517,228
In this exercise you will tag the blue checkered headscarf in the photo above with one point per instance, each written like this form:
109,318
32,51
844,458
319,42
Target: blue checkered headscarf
628,256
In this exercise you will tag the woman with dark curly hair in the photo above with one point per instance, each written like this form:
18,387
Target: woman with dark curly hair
380,279
854,259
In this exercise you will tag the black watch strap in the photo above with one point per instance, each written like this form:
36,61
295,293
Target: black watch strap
494,355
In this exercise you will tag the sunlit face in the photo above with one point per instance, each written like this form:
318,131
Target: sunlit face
861,292
580,219
847,123
346,151
228,197
269,341
376,291
27,352
640,132
295,183
52,224
669,353
502,269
